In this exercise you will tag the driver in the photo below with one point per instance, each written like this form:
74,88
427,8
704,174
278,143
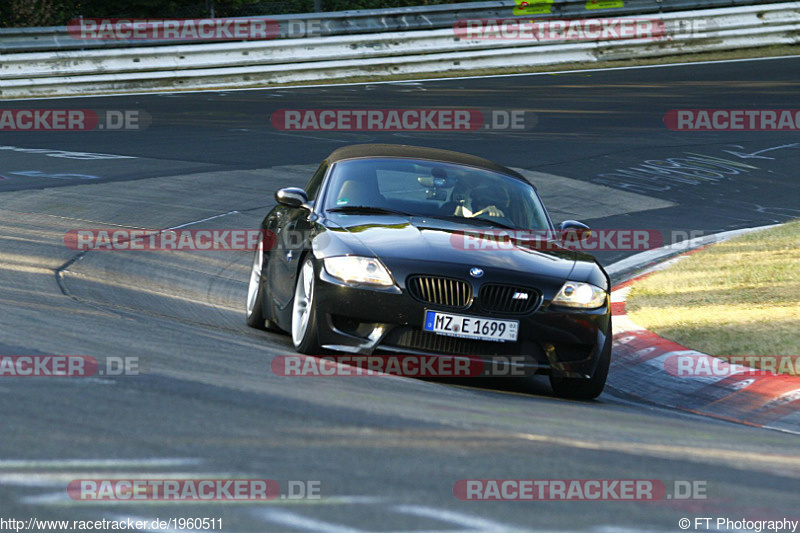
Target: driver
489,201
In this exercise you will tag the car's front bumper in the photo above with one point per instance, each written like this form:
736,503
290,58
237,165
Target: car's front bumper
566,342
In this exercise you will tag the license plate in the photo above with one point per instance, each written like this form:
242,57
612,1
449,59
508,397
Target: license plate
471,327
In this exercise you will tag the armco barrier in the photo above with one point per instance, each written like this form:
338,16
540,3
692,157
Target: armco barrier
255,63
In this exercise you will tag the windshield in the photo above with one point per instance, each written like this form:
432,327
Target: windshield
434,189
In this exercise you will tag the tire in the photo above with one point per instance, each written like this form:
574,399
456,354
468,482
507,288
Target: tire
254,306
305,337
585,389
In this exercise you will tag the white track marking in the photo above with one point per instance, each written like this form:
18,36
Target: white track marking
61,497
51,498
643,258
13,464
401,82
295,520
782,430
61,478
333,500
66,154
460,519
203,220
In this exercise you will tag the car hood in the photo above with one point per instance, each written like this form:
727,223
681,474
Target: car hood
400,239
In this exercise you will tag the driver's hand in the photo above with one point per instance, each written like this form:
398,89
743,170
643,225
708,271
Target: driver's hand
491,211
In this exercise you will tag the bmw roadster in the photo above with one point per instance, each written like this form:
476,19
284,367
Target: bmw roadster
381,253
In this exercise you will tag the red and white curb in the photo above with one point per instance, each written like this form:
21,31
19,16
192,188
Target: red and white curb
640,365
641,362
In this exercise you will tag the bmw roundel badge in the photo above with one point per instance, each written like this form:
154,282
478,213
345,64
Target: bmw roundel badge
476,272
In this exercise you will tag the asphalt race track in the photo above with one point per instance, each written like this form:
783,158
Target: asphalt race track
387,451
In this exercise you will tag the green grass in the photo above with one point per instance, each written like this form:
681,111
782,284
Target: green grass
740,297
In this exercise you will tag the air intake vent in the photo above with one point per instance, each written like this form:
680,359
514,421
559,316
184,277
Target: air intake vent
446,292
430,342
508,299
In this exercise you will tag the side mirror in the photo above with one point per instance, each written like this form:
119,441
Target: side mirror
292,197
572,229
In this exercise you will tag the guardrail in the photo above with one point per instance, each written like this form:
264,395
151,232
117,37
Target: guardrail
257,63
13,40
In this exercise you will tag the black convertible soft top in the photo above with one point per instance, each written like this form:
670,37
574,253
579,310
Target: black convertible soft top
418,152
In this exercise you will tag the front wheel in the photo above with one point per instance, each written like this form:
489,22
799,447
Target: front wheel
255,297
255,294
585,389
304,316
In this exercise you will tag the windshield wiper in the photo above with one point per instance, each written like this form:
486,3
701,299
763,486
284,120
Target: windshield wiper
465,220
368,209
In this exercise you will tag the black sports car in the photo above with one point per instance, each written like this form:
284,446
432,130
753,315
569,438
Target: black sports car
377,255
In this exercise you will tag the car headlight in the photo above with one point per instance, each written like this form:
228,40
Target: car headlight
353,269
579,294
